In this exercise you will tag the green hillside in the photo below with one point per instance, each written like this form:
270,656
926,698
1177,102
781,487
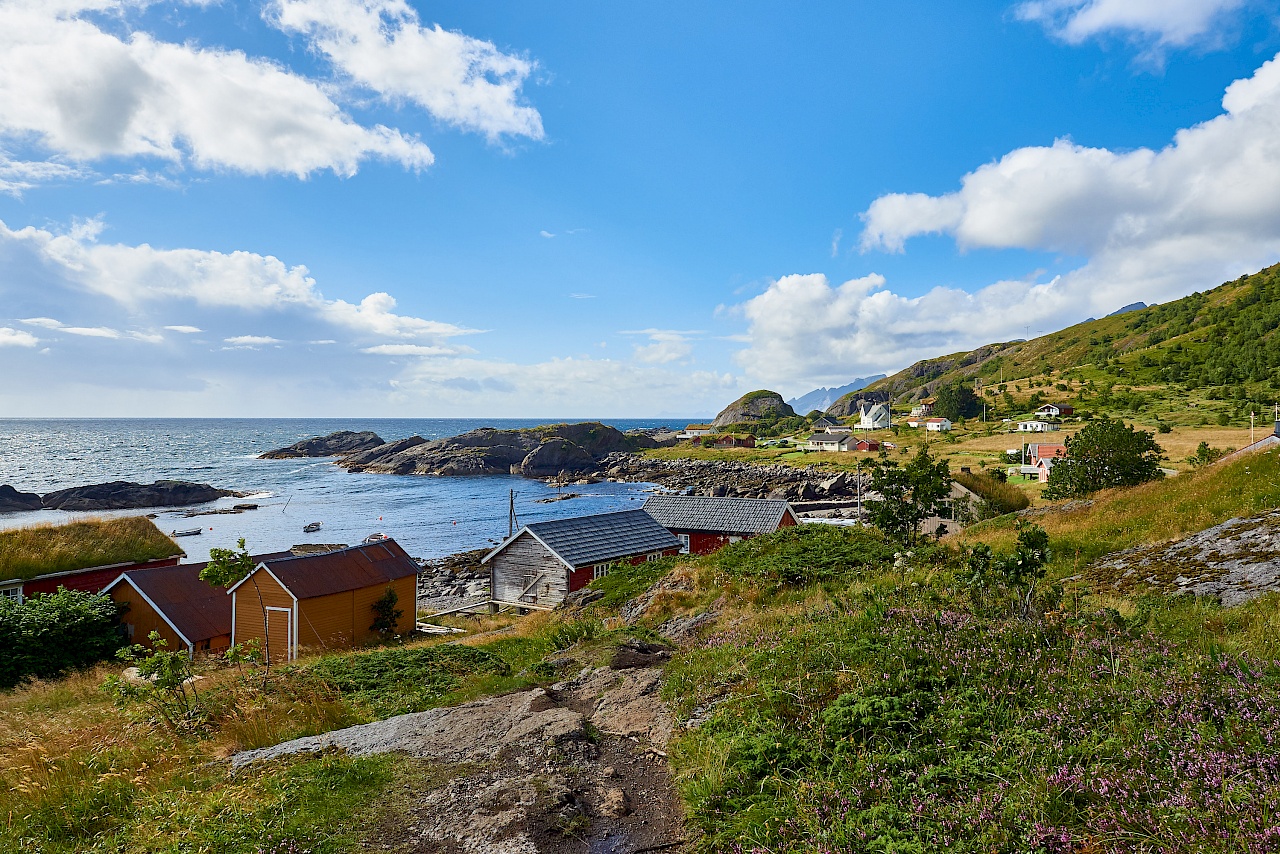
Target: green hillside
1211,356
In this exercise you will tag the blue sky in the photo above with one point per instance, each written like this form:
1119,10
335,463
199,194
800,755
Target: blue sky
346,207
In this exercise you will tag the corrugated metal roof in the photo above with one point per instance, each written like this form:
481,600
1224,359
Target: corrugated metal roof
586,540
727,515
196,608
308,576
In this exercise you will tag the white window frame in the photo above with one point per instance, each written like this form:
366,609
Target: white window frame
600,570
653,557
686,543
13,592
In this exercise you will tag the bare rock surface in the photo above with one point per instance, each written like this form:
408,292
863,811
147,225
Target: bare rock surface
752,407
1234,562
574,767
13,501
124,495
334,445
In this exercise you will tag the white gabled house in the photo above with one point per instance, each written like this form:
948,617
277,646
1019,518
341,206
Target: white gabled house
873,417
1036,426
938,425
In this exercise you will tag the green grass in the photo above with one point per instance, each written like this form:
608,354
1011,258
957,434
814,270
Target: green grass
1003,497
626,581
803,554
390,682
41,549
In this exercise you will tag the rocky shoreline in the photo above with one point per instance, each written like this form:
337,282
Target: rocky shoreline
117,495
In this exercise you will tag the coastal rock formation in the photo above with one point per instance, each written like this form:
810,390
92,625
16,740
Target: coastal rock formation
532,451
1234,562
123,495
13,501
753,406
334,445
734,479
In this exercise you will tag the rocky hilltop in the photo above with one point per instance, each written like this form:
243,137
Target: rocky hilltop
334,445
532,452
123,495
754,406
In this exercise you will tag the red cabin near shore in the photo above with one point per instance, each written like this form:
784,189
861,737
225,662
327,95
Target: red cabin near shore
704,524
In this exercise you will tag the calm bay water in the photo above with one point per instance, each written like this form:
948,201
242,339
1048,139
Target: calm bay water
429,516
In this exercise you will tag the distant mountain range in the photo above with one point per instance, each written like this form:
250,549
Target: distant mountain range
822,398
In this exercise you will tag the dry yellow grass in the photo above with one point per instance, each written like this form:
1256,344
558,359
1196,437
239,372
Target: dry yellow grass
40,549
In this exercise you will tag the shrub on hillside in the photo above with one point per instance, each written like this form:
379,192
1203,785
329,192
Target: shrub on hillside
805,554
49,634
1105,454
1000,496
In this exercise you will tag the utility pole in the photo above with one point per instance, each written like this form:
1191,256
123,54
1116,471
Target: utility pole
512,521
1251,414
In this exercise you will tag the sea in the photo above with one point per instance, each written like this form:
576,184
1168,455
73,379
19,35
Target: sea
430,516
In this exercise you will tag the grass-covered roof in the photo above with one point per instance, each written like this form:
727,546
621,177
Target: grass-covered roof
42,549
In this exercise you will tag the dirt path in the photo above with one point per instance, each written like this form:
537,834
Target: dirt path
578,767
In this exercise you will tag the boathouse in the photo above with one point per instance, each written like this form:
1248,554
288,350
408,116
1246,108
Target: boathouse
539,565
703,524
323,601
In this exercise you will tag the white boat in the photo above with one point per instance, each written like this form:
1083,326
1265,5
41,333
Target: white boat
376,538
192,532
311,528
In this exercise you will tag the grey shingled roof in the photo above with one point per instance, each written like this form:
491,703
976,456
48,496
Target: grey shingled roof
722,515
585,540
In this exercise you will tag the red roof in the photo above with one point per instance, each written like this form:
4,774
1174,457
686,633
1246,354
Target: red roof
197,609
308,576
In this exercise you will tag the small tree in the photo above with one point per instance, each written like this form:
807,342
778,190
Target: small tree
1206,454
1019,572
166,685
955,401
909,494
228,566
1105,454
386,616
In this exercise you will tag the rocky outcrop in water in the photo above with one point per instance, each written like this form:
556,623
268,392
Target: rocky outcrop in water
13,501
533,452
753,406
334,445
123,495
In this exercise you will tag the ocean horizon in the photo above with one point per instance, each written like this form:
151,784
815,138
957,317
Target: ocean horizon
429,516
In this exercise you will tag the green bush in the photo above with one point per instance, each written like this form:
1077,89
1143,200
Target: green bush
804,554
399,680
52,633
627,581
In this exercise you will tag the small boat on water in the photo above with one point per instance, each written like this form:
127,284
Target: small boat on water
311,527
191,532
375,538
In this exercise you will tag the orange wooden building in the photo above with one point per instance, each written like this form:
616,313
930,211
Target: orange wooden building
188,613
322,601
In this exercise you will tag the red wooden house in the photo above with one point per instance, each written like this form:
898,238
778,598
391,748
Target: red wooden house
703,524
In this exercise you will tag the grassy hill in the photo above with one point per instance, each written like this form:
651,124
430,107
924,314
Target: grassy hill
1211,357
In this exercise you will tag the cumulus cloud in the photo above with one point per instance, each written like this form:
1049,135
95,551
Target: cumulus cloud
85,93
1174,23
381,45
668,345
185,330
1215,189
134,276
10,337
1148,225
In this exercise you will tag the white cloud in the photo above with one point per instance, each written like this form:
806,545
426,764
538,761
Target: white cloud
582,296
251,340
545,233
133,276
410,350
1150,225
835,241
43,322
185,330
85,93
380,44
19,175
92,331
10,337
1174,23
669,345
